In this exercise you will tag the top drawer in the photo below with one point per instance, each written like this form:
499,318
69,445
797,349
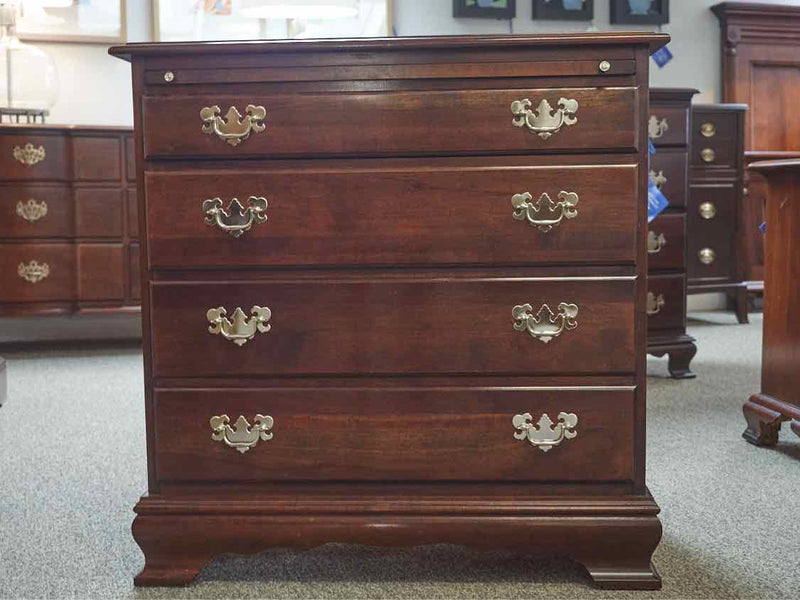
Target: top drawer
392,123
33,157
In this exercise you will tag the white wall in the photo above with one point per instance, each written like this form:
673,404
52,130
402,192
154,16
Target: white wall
96,88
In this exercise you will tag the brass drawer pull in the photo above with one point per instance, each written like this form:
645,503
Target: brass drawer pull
525,210
234,128
654,303
240,328
544,120
236,220
658,179
31,210
29,155
655,242
33,272
545,434
708,155
241,436
708,130
545,325
707,210
706,256
656,128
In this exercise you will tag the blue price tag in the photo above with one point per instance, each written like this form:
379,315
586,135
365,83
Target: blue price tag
662,56
650,146
763,227
656,202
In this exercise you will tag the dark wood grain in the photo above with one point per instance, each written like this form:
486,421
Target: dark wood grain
391,282
779,399
397,326
54,166
414,214
97,158
392,123
396,435
58,222
98,212
101,272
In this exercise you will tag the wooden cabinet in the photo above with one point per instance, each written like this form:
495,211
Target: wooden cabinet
779,399
716,237
395,294
65,232
760,50
669,127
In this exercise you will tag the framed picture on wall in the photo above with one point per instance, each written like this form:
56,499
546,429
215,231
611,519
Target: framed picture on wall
84,21
563,10
640,12
485,9
203,20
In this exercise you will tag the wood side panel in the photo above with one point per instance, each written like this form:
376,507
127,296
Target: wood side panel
100,272
392,123
393,326
415,214
98,212
395,435
97,158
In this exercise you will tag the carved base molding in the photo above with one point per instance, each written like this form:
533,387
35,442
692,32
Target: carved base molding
612,537
764,415
681,351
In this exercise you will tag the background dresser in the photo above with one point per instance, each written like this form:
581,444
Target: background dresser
68,236
779,399
395,294
668,127
715,240
761,68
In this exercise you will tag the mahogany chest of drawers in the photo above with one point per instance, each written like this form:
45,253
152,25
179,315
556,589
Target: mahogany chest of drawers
715,242
394,294
68,236
668,127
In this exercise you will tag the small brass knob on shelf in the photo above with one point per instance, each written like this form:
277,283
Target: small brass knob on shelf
706,256
708,155
707,210
604,66
708,130
169,76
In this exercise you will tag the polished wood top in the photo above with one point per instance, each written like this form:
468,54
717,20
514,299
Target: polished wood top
653,40
792,164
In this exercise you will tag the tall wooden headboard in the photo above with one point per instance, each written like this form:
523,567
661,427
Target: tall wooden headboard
761,68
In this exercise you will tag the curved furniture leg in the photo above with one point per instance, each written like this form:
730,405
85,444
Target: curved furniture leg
741,299
763,423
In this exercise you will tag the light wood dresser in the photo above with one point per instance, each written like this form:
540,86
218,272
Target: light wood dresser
68,236
394,294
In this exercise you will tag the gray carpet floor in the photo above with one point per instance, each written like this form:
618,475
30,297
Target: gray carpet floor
72,464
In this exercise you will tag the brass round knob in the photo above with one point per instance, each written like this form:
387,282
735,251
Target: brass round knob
169,76
707,210
706,256
605,66
708,129
708,155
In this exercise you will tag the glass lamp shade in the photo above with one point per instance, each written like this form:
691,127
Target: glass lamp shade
28,76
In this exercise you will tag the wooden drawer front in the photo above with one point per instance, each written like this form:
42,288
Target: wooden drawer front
406,123
666,242
97,158
668,293
410,215
99,212
30,211
668,126
720,145
712,228
44,159
394,434
101,272
53,280
669,171
393,325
